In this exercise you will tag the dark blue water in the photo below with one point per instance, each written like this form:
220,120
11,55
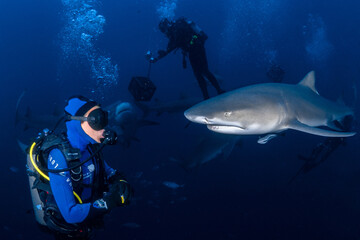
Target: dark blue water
244,197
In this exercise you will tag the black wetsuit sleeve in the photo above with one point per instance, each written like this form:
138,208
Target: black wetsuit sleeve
170,47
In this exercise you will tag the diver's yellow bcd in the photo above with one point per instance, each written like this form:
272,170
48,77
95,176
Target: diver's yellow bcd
43,174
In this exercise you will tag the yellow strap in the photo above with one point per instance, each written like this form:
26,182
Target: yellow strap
34,164
77,197
122,196
43,174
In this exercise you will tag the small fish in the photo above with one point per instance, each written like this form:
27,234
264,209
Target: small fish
14,169
172,185
138,174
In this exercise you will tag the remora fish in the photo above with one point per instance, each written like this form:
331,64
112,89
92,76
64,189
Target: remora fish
272,108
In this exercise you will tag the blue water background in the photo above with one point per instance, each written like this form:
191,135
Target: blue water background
244,197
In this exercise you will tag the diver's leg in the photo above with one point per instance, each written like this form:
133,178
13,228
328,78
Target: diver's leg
213,81
204,68
202,84
196,61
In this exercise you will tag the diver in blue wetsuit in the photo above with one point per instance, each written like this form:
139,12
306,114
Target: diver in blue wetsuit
80,187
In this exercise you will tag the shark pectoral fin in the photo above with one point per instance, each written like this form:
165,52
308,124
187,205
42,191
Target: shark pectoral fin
267,138
318,131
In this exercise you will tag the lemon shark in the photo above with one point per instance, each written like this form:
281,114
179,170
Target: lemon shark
270,108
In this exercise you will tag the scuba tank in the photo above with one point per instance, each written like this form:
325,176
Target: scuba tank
38,180
198,32
38,205
35,174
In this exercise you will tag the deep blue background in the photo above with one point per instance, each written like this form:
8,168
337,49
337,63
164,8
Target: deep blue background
245,197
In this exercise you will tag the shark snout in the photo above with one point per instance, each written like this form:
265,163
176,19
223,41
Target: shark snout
197,118
190,116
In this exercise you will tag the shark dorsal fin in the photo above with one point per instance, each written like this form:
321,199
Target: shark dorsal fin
309,81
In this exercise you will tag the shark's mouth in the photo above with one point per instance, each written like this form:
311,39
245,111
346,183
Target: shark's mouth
225,128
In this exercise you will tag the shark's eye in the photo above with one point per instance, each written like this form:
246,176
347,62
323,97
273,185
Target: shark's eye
227,114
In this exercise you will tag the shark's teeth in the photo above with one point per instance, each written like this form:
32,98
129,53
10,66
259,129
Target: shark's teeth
213,127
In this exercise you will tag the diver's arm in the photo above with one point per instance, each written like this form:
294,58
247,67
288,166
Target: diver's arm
170,47
109,200
162,53
119,194
61,187
109,171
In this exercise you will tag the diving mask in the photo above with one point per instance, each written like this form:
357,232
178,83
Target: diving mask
97,119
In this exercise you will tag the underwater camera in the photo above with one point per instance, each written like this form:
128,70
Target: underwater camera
142,88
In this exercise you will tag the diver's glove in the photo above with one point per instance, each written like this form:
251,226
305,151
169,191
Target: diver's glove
119,195
103,205
123,192
119,184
